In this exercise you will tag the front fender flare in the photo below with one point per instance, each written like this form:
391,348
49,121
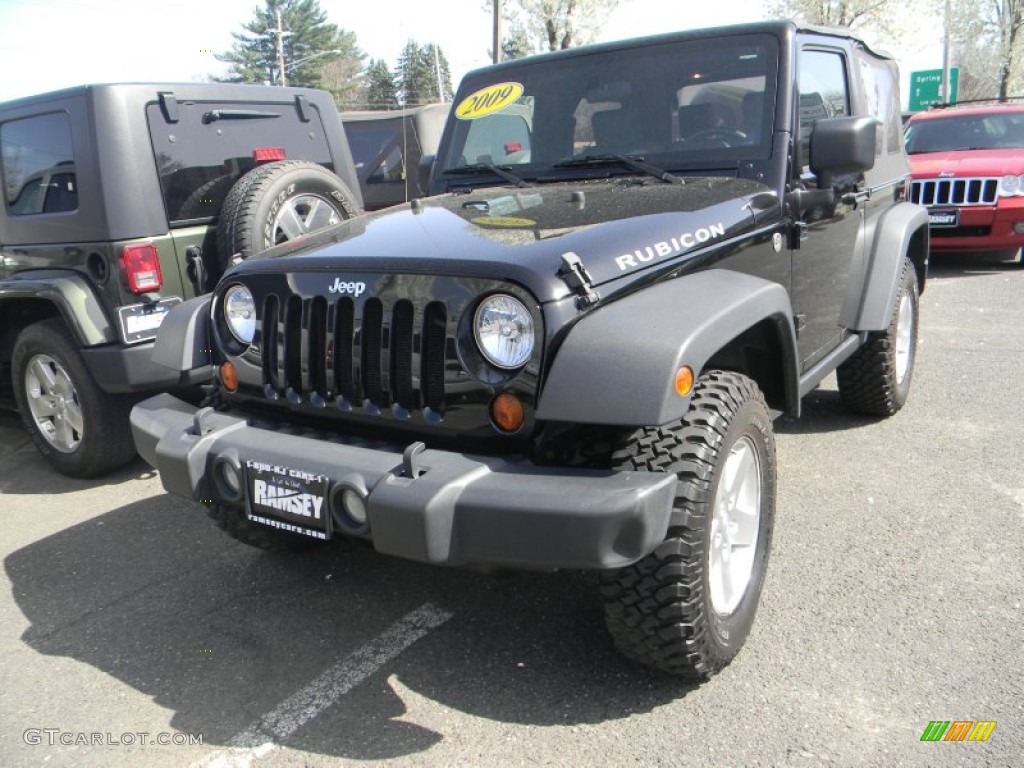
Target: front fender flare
617,365
875,279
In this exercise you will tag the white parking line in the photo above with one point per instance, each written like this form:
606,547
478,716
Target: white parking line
259,738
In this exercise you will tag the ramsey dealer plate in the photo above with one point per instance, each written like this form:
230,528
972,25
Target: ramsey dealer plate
140,322
288,499
944,218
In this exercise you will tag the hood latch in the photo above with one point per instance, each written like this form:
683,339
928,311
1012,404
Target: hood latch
579,281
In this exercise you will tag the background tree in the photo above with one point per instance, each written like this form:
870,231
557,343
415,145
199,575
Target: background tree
552,25
517,43
836,13
307,43
988,46
342,75
417,75
381,91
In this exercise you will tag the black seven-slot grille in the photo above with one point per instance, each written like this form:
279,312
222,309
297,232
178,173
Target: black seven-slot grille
324,352
979,191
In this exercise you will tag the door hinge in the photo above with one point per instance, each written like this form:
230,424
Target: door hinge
799,323
196,270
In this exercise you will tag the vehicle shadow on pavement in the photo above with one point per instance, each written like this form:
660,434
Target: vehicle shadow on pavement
23,470
153,595
822,411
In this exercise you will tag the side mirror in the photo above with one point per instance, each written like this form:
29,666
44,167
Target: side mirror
843,145
424,171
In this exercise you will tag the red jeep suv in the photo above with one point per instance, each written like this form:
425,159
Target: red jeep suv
967,167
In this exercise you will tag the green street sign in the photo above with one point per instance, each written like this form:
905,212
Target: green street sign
926,88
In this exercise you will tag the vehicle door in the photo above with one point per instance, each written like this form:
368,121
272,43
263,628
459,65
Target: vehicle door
826,215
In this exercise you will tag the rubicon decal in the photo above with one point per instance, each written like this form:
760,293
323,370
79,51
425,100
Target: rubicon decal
673,245
958,730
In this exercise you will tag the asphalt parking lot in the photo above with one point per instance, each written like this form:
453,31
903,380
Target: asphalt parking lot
893,599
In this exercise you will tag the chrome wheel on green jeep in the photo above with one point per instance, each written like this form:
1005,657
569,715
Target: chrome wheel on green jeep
53,403
82,430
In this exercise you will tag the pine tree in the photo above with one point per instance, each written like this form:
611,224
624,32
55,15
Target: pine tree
417,75
381,91
308,43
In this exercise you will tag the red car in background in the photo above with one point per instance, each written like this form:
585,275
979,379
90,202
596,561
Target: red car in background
967,168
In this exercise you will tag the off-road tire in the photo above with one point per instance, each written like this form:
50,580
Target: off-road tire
105,438
870,381
232,521
659,610
250,208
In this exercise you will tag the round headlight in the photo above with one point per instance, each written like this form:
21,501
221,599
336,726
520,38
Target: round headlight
504,331
240,313
1009,185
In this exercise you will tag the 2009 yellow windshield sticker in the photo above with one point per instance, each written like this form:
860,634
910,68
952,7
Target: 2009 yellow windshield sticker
487,101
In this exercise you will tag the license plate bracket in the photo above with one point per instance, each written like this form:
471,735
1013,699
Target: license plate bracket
943,217
140,322
288,499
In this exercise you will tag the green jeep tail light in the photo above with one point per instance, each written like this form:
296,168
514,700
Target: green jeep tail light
141,267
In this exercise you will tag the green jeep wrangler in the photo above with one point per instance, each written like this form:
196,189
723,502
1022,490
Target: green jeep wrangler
120,201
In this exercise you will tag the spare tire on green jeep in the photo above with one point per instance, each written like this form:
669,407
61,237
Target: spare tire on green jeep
278,202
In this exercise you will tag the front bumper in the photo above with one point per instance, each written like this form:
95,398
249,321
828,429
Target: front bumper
982,228
451,508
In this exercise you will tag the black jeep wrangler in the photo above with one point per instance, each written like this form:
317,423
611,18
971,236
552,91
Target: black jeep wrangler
120,201
639,254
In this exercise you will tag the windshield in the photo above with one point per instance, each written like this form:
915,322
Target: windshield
701,104
1003,130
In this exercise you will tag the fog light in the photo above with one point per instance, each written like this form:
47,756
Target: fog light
229,377
354,505
684,381
507,412
231,479
1018,228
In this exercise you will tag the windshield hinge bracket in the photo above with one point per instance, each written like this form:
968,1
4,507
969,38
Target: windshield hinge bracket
169,106
302,107
578,279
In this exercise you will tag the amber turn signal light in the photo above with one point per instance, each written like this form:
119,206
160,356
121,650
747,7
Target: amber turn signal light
229,377
507,412
684,381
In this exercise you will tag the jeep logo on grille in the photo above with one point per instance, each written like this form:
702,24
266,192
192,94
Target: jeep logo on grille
340,286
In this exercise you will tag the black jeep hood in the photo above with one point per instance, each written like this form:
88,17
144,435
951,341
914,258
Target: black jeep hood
618,228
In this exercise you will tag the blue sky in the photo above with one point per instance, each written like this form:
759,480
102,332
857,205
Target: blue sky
51,44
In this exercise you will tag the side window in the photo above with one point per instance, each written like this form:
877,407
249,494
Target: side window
824,92
879,79
38,165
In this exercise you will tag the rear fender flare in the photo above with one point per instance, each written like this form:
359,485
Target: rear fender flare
73,297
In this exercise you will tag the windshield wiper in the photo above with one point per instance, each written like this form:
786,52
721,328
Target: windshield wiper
497,170
635,162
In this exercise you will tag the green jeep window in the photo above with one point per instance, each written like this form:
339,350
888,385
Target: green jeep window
38,165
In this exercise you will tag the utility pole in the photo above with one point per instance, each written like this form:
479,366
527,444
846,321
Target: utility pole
496,52
280,47
437,69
